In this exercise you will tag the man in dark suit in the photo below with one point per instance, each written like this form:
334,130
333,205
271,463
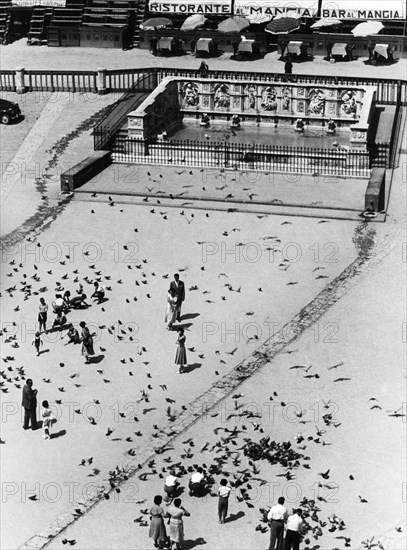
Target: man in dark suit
29,403
179,288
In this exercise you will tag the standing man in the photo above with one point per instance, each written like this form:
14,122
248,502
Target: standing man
288,66
178,287
203,68
295,528
277,516
329,47
29,403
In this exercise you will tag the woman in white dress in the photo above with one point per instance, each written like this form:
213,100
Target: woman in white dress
171,313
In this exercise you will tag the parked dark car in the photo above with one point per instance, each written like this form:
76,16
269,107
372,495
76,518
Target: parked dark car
9,111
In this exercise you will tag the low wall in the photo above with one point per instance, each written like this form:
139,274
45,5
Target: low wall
85,170
160,111
375,192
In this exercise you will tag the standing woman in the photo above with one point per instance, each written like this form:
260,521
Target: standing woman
181,355
87,342
176,513
171,313
157,526
42,315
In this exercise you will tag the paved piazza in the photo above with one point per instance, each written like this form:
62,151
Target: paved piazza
295,327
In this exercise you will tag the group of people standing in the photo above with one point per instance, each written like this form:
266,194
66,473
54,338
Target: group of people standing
175,511
29,403
175,298
278,518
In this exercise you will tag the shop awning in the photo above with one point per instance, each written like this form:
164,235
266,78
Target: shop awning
283,25
327,22
368,28
377,10
234,24
193,22
155,23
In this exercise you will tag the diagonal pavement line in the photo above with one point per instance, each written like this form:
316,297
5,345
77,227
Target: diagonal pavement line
26,153
290,332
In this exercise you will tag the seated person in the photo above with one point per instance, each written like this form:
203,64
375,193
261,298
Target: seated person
66,297
331,128
78,302
58,305
98,293
196,483
205,120
73,335
170,487
299,125
60,321
235,121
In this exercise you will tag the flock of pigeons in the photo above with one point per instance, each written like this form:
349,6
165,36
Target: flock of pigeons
239,448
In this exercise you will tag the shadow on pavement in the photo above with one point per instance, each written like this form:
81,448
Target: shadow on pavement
61,433
192,367
189,316
234,517
188,544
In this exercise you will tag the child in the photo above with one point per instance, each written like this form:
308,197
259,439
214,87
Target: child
37,342
224,492
98,293
47,418
73,336
42,315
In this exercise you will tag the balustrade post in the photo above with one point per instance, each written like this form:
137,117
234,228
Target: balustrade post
101,81
20,80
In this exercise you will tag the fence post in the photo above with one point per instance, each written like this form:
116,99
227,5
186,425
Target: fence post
101,81
20,81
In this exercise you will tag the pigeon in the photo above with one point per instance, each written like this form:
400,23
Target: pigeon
325,475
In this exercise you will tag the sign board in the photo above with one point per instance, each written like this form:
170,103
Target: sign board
375,10
273,8
41,3
223,7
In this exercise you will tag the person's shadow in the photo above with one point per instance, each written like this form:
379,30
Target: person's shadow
188,544
234,517
44,351
61,433
96,359
189,316
190,368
